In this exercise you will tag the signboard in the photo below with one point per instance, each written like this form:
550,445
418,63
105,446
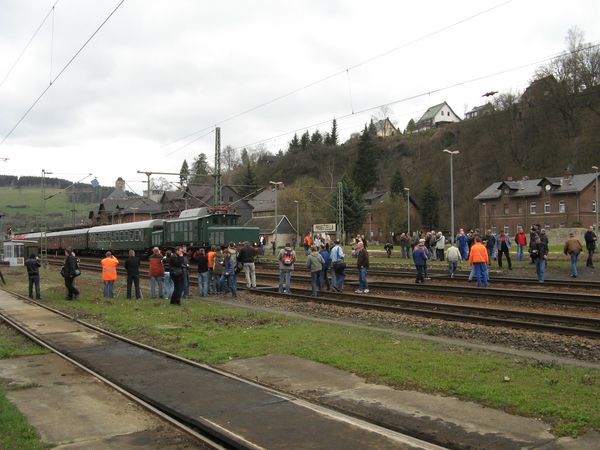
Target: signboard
324,227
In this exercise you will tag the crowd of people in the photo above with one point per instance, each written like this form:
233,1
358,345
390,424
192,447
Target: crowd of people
218,267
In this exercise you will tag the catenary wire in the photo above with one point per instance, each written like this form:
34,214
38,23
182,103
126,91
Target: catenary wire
333,75
28,43
61,72
413,97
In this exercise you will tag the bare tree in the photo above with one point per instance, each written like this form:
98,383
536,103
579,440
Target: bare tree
229,158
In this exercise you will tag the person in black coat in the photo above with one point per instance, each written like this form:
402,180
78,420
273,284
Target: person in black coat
69,272
132,266
590,243
176,264
33,272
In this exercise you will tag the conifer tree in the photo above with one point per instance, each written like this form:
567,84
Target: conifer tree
184,174
316,138
249,184
372,128
429,207
397,184
199,168
364,173
334,134
354,206
305,140
294,143
411,126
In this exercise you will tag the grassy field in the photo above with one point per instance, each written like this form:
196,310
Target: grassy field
15,431
565,396
22,208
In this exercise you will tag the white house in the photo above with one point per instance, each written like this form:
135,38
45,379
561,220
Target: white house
436,116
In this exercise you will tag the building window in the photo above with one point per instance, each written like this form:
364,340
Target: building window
493,210
494,229
546,207
506,229
519,208
532,208
506,211
593,206
561,207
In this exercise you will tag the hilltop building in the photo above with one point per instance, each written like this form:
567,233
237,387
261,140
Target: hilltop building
437,116
385,128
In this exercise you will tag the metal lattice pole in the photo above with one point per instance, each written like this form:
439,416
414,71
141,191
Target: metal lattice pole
340,211
218,181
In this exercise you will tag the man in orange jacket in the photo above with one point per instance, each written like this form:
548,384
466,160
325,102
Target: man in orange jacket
479,259
109,274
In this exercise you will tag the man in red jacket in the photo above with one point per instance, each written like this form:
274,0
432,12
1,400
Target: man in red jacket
521,240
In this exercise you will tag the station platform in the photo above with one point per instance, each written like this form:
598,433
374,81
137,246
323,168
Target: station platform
292,402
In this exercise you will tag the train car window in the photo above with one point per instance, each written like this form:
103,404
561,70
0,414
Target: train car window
142,235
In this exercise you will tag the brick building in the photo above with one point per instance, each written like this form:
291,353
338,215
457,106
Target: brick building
551,202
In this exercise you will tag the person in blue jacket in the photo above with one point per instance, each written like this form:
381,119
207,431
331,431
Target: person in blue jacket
420,258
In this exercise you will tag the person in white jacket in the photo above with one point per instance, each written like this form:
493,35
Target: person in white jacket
453,257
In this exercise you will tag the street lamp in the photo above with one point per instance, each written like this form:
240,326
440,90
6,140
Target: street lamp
451,153
297,221
596,169
276,185
408,208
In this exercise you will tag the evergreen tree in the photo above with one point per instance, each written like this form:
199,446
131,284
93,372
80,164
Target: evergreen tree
184,174
354,206
294,143
245,157
364,173
199,168
334,134
372,128
429,207
249,184
411,126
327,138
316,138
397,184
305,140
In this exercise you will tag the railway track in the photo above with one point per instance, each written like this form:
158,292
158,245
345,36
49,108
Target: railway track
494,316
219,409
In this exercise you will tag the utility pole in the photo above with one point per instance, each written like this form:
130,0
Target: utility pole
408,208
596,205
44,223
340,212
276,185
218,182
149,174
451,153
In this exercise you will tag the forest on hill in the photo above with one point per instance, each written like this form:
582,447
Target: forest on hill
550,128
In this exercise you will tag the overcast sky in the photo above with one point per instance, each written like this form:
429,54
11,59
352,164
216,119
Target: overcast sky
161,70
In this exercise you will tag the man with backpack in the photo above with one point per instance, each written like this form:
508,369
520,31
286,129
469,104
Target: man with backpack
287,258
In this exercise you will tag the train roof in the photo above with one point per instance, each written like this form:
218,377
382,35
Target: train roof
67,232
127,226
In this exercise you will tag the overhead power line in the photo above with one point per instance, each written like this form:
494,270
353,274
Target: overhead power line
333,75
52,81
415,96
29,43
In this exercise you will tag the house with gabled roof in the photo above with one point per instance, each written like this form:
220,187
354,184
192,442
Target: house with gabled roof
437,116
550,202
385,128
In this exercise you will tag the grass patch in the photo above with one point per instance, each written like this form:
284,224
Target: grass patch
15,431
12,343
565,396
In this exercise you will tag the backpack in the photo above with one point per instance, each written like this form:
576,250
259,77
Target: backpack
288,258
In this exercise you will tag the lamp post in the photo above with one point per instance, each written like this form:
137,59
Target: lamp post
408,208
451,153
596,227
297,221
276,185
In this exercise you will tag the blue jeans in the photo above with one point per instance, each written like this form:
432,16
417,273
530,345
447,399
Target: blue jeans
362,279
232,283
340,275
153,282
520,252
287,274
452,267
481,274
574,257
34,281
540,268
169,285
203,281
314,280
108,288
